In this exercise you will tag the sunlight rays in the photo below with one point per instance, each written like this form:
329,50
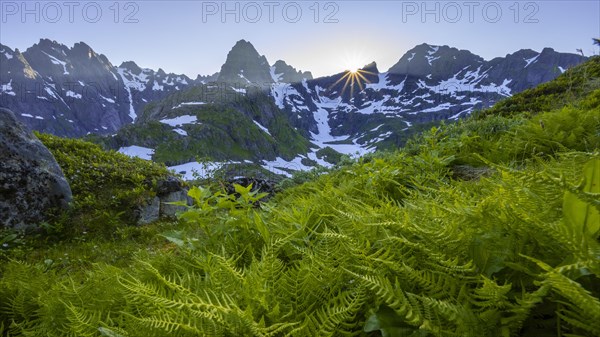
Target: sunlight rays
351,77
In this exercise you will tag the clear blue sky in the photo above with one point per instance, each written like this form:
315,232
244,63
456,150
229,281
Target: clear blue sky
193,37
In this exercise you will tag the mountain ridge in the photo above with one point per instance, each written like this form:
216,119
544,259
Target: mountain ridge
348,112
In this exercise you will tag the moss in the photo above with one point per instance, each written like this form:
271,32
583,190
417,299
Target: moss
106,185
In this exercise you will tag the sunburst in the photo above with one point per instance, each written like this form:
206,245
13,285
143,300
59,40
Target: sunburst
352,77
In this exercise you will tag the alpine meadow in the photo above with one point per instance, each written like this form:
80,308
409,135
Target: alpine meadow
300,168
485,226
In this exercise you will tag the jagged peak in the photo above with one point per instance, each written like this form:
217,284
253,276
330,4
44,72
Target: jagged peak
47,42
244,47
48,46
82,49
245,64
131,66
371,67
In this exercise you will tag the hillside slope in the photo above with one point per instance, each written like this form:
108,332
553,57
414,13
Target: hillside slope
485,227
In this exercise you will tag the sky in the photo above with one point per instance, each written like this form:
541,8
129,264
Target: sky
324,37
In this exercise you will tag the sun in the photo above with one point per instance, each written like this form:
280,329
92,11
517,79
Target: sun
353,78
353,60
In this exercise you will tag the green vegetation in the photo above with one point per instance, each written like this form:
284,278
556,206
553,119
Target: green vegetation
486,227
570,87
329,155
107,186
225,128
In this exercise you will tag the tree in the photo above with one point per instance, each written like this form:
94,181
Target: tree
596,41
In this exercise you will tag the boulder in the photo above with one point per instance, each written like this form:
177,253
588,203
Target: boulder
169,211
31,182
170,189
149,212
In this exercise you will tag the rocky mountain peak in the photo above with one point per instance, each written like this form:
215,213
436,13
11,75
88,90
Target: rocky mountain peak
80,49
283,72
131,66
49,45
371,68
434,61
245,65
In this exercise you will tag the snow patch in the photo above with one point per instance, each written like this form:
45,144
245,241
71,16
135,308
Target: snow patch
262,128
531,60
432,51
239,90
137,151
188,104
8,56
7,88
109,100
181,131
56,61
377,128
194,170
281,166
443,106
157,87
132,113
70,93
179,121
276,77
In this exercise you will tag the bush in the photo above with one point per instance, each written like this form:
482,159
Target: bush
107,186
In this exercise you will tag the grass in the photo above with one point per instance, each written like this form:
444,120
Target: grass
396,243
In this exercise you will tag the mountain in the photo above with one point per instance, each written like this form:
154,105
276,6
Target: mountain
282,72
44,86
75,91
254,111
345,113
372,109
245,65
146,85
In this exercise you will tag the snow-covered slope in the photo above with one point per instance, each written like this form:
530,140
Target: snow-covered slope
360,112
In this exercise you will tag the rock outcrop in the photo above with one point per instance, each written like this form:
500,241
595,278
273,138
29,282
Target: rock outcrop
168,190
245,65
31,182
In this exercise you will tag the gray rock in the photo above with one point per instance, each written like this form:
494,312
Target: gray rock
149,212
168,185
31,182
170,189
167,210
